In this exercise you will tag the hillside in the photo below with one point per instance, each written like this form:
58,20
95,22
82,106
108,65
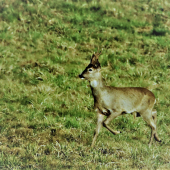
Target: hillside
47,119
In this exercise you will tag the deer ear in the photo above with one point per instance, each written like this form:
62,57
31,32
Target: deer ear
93,59
97,64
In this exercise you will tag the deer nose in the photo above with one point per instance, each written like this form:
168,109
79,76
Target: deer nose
81,76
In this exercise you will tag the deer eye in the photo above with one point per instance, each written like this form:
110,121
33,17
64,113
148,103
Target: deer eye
90,69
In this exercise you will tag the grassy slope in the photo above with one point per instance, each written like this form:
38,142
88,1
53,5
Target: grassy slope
46,118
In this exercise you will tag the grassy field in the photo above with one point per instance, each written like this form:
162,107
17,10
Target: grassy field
47,119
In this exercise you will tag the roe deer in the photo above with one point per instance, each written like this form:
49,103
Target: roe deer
115,101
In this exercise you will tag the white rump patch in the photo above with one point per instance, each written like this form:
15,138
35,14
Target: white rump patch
93,83
155,101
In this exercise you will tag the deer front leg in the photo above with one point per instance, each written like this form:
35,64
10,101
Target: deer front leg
100,118
108,119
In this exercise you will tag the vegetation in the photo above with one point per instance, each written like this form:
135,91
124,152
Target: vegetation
47,119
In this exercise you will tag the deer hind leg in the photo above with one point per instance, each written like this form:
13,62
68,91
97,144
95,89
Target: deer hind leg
154,115
100,118
107,121
149,117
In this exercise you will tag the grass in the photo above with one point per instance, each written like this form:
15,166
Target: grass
47,119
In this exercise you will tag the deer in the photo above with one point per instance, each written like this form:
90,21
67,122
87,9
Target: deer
111,102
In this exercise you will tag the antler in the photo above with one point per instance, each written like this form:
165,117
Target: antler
94,58
97,54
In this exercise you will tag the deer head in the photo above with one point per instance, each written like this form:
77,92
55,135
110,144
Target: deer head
92,71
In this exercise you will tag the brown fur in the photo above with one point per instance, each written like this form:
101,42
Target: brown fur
114,101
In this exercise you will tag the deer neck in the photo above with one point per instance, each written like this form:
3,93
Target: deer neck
96,88
96,85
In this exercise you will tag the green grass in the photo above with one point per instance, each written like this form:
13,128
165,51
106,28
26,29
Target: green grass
47,119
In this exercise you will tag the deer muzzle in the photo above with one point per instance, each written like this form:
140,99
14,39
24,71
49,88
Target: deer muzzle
81,76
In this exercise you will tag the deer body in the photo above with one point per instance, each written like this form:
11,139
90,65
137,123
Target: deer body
114,101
